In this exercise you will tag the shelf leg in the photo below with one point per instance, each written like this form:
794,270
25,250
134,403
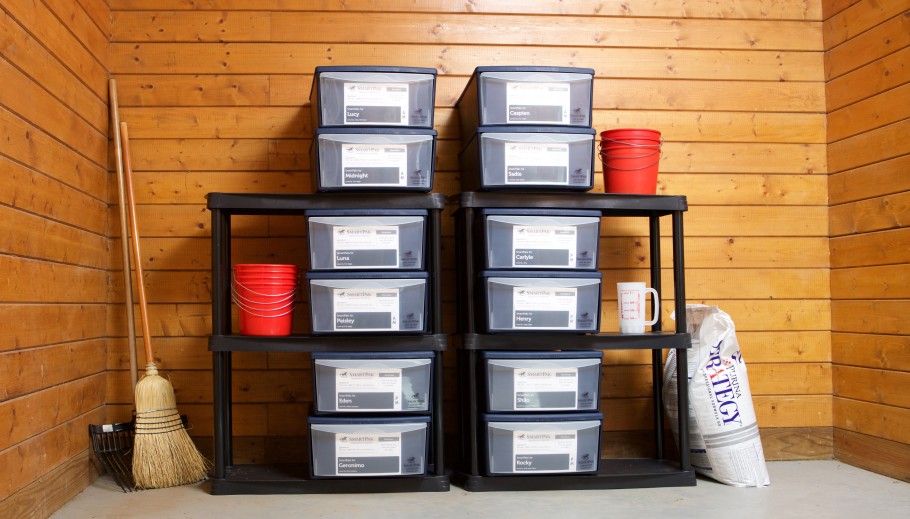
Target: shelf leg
473,424
682,363
438,429
656,354
219,430
221,325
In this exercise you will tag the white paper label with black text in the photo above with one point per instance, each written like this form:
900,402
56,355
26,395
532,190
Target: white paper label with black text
377,454
536,163
538,103
368,389
367,246
374,165
366,309
544,451
376,103
545,389
546,308
551,246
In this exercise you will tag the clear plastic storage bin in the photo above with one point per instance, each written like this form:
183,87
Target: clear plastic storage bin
388,159
522,301
521,381
364,447
533,157
540,238
372,382
538,96
373,96
368,302
542,444
366,239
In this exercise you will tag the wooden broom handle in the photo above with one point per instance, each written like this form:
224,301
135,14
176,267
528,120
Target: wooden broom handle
128,173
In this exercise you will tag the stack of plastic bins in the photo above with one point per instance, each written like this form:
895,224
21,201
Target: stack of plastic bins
371,414
527,128
539,273
373,131
368,277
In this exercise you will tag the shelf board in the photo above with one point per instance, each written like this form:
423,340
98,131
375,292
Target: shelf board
294,479
611,204
558,341
613,473
278,204
308,343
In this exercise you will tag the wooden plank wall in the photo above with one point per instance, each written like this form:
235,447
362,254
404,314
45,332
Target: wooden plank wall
216,96
867,49
54,248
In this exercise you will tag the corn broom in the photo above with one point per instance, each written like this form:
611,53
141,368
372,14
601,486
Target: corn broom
163,453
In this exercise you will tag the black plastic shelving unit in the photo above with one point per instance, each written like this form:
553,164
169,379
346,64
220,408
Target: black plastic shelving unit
613,472
228,478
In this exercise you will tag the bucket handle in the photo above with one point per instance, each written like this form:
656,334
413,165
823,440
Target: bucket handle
269,316
252,311
660,143
646,166
284,297
235,282
605,155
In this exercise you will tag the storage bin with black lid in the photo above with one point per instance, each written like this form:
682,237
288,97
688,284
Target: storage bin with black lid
534,381
374,159
368,302
372,382
525,239
342,447
526,95
534,301
373,96
528,158
542,444
361,239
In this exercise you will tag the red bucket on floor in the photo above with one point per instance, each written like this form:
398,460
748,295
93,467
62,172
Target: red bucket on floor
630,158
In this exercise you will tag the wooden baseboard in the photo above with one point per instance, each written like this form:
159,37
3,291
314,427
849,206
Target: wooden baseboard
797,443
48,493
878,455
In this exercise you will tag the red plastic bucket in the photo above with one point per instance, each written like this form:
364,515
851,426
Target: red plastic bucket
630,158
265,307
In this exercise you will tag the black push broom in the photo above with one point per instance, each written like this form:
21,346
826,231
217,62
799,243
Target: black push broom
163,453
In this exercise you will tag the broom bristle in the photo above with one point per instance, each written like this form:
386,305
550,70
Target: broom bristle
163,453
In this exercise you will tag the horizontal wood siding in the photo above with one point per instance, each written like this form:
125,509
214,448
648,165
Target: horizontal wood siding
216,95
55,248
867,48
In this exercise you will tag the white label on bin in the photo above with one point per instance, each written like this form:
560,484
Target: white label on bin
546,308
376,103
368,389
538,103
366,309
544,451
368,246
551,246
545,389
365,165
537,163
359,454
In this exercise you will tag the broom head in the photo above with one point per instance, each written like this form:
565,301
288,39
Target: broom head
163,453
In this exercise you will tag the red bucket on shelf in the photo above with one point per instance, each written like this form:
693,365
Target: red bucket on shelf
265,296
630,158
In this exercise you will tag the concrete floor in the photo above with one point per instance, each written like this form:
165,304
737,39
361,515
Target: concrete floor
799,489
